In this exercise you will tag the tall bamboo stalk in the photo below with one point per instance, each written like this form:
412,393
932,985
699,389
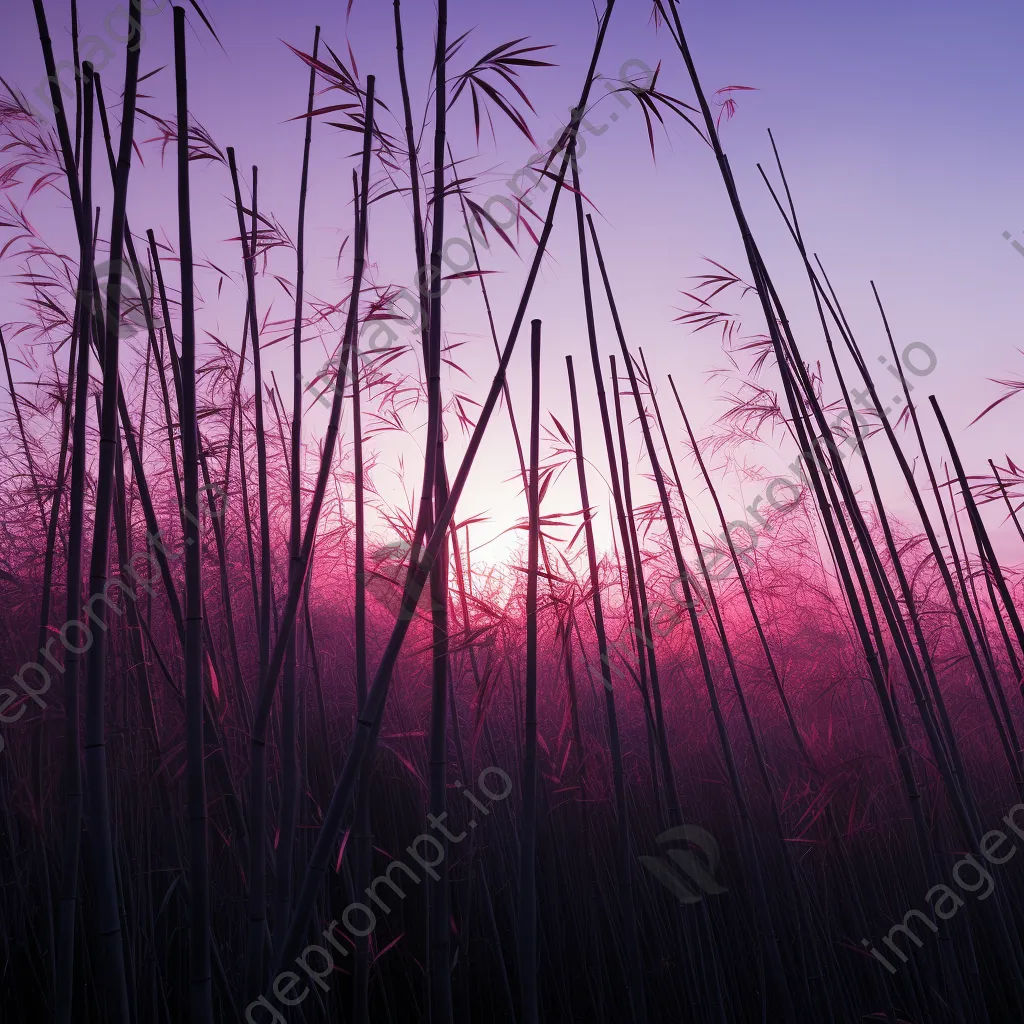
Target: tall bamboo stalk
641,625
624,856
200,972
257,800
68,907
985,543
435,484
289,760
101,828
362,851
527,923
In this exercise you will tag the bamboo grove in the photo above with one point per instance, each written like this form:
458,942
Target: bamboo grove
252,757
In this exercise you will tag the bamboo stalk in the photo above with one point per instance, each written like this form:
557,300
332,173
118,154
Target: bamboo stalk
108,918
67,911
984,543
254,970
527,921
435,486
290,781
624,858
362,853
200,970
641,628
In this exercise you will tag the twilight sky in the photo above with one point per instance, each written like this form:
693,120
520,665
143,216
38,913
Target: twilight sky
896,123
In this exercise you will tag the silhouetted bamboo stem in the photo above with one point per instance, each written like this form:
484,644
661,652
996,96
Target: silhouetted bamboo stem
61,480
243,478
101,829
239,692
362,836
527,923
645,651
1006,498
200,971
772,668
624,857
139,670
168,334
642,638
419,237
290,787
435,485
985,544
249,267
966,576
67,911
257,800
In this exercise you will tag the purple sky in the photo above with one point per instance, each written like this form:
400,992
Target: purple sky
895,122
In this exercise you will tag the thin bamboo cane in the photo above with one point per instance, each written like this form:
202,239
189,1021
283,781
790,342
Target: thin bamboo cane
362,835
435,486
290,782
67,910
624,858
527,919
641,627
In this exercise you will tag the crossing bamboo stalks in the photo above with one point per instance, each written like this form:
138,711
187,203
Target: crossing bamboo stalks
68,906
778,325
290,784
101,826
641,627
981,532
645,653
369,721
624,856
740,574
257,797
765,923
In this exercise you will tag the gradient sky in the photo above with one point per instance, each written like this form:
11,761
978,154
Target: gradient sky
896,123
